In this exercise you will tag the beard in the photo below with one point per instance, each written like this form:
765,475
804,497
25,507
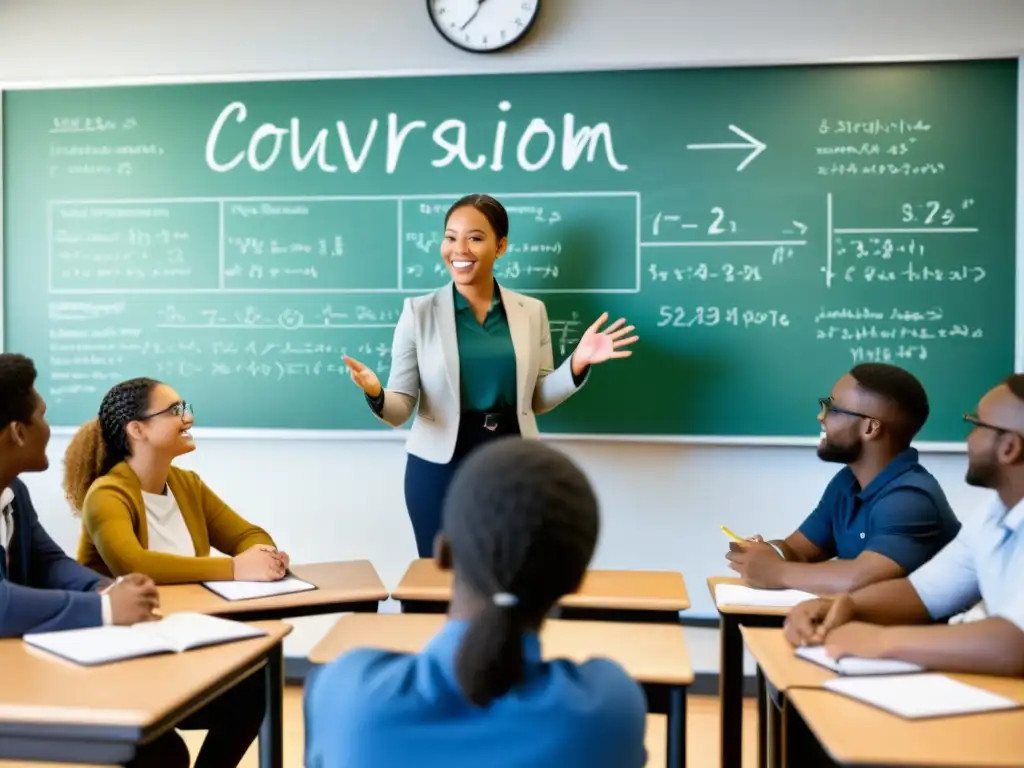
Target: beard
981,473
836,453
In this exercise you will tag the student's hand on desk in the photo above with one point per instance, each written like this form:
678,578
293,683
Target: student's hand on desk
804,620
857,638
363,376
133,599
259,563
756,562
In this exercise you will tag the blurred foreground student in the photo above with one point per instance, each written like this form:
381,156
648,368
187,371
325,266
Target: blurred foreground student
985,561
882,516
520,526
140,513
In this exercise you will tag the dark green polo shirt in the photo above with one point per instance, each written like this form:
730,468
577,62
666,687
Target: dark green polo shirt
487,359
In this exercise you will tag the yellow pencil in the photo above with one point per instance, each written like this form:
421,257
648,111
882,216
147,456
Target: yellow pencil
732,535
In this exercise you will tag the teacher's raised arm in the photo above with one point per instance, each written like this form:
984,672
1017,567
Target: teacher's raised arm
473,361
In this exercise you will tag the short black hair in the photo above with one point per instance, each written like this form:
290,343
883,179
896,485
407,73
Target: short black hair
492,210
1015,381
17,388
522,522
902,389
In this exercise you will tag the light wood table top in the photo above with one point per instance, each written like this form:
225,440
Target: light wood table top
743,610
778,661
650,653
614,590
352,581
858,734
139,693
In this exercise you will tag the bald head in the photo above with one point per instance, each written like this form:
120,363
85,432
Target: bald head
1003,405
995,445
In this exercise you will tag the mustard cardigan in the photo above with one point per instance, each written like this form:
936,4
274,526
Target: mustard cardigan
115,538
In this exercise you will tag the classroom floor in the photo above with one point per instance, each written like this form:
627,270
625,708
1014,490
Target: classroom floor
702,736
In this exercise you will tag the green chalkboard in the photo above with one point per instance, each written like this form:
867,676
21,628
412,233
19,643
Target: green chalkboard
765,229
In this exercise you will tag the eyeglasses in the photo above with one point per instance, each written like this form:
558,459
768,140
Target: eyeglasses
827,406
178,409
974,421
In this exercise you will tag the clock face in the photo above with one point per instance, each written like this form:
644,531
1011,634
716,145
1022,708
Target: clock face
483,26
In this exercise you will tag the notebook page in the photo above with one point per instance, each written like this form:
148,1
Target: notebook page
856,665
185,631
739,594
247,590
917,696
98,645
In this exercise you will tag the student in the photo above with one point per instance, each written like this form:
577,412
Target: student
43,590
474,360
882,516
985,561
140,513
520,526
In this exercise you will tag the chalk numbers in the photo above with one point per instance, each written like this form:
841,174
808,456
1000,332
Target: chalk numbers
933,212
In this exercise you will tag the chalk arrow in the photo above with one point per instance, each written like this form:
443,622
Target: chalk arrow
802,227
756,147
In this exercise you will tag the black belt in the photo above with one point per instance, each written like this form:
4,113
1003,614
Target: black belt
492,421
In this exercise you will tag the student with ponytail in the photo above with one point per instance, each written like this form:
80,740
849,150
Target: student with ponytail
520,527
140,513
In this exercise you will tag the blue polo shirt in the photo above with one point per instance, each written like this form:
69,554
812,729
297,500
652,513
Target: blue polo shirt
902,514
389,710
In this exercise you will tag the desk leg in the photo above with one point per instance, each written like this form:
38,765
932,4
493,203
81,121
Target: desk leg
272,732
762,720
730,691
676,734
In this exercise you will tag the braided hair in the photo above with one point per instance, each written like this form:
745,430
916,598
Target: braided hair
102,443
522,523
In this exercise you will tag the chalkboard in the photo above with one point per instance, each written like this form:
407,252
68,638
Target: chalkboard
764,229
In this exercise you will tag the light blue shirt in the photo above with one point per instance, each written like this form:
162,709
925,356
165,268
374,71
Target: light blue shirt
383,709
984,562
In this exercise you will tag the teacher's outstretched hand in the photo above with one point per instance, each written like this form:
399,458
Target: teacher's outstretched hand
363,376
598,345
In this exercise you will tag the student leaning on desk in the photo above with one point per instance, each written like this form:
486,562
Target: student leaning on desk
882,515
140,513
520,526
475,361
985,561
41,588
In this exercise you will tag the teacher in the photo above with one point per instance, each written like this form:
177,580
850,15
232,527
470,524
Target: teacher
474,360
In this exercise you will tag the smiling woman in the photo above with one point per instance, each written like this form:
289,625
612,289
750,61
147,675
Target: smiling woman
474,360
142,515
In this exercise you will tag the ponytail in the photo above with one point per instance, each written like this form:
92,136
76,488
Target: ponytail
85,460
490,659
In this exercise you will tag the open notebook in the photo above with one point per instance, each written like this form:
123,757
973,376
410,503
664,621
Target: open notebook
856,665
918,696
738,594
249,590
177,633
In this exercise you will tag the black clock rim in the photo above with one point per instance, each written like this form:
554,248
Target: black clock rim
503,47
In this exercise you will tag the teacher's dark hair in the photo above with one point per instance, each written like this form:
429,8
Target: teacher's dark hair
521,520
492,210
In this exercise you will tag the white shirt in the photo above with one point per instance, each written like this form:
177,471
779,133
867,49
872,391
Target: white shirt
7,536
984,562
167,530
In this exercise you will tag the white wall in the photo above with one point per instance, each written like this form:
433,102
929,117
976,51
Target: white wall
685,491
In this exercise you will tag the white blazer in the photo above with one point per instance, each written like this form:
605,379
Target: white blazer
425,370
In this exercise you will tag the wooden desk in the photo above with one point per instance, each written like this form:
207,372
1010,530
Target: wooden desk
654,654
648,596
730,671
853,733
345,586
55,711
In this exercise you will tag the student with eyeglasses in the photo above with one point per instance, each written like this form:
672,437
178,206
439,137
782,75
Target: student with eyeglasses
903,618
882,516
142,514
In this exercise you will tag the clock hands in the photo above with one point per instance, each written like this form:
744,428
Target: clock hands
475,12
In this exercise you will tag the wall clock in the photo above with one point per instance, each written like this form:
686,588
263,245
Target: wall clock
483,26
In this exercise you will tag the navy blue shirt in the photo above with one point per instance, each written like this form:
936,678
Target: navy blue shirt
902,514
384,709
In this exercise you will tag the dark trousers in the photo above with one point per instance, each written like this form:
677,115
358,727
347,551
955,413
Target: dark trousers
233,722
426,482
